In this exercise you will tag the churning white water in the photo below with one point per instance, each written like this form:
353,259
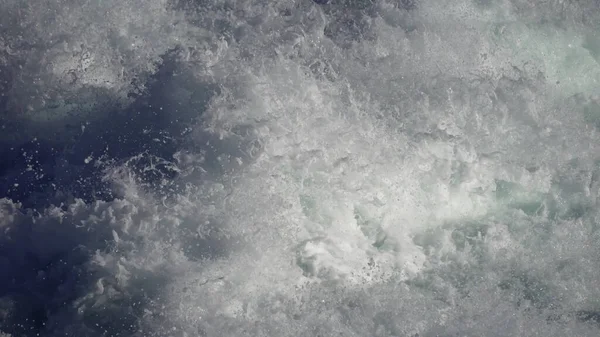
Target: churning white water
299,168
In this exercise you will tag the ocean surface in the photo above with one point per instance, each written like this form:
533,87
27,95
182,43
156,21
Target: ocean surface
302,168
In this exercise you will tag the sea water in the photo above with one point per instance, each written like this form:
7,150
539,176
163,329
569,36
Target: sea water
299,168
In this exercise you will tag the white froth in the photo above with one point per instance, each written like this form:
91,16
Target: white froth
419,180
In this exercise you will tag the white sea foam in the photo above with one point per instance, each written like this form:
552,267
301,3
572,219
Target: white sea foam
363,169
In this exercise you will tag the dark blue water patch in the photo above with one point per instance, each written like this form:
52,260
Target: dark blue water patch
5,83
43,171
27,169
49,282
39,286
42,267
